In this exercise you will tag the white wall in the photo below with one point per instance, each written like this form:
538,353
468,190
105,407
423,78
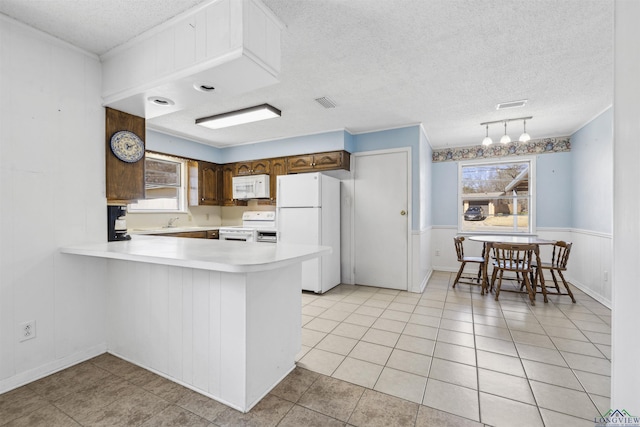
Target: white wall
421,240
52,193
625,380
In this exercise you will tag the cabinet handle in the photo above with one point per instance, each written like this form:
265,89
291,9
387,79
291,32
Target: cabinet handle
403,212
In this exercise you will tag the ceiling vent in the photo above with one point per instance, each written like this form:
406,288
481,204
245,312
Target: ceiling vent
511,104
326,102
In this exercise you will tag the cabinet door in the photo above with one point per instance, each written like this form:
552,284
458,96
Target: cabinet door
300,163
325,161
278,167
227,185
243,168
228,171
208,183
124,181
260,167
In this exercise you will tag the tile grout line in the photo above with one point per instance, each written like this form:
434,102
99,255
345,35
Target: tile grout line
565,360
535,399
448,294
475,352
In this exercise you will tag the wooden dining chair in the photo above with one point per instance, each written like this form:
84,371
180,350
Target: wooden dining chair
514,258
463,260
558,264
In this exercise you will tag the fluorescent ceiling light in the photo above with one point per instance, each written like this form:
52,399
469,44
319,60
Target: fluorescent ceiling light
246,115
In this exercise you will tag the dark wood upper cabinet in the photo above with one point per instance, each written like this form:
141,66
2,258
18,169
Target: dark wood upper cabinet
254,167
228,171
124,181
261,167
209,183
278,167
302,163
242,168
319,161
205,183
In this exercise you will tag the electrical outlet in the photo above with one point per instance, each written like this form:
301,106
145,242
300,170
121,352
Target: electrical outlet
437,252
27,330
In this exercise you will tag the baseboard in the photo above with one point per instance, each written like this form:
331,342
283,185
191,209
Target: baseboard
204,392
596,296
446,269
423,285
49,368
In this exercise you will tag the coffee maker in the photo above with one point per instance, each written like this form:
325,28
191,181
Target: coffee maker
117,226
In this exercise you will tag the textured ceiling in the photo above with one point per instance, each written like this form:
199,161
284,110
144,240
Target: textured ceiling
389,63
95,25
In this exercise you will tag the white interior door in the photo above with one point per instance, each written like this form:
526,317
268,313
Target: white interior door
381,219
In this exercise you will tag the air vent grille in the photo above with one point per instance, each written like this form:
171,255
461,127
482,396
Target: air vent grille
326,102
511,104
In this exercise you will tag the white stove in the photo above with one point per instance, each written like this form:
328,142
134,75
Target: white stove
257,226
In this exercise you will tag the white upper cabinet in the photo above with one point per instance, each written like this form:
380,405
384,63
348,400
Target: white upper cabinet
232,45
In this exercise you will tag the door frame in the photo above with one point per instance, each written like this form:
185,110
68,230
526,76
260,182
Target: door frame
407,150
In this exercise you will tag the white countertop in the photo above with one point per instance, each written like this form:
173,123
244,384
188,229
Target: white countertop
207,254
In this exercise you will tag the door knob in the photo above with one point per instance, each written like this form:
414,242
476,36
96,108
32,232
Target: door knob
403,212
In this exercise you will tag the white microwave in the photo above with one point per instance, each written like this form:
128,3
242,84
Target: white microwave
251,187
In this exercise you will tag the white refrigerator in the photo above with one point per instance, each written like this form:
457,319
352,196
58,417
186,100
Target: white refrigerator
308,212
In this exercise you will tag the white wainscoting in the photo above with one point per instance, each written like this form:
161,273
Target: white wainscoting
589,263
229,336
422,260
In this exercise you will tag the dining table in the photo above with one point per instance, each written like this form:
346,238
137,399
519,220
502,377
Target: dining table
489,239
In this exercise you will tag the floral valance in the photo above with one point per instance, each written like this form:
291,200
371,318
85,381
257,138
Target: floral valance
535,146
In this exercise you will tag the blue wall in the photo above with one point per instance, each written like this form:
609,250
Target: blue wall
426,165
444,193
553,191
328,141
398,138
163,143
592,156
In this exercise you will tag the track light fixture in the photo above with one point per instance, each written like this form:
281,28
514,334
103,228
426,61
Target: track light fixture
506,138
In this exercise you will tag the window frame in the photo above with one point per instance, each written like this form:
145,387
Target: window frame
532,194
183,188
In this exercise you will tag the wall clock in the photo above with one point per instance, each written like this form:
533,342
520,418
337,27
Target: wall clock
127,146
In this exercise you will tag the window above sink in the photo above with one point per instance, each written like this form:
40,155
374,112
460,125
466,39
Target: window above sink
165,185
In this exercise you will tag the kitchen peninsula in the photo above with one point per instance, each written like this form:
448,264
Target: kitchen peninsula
220,317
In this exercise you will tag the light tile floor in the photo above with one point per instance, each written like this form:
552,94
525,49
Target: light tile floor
496,362
374,357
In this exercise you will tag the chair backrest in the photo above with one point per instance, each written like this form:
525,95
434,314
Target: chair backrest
560,255
514,257
459,247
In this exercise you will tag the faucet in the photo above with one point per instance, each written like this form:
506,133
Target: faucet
171,221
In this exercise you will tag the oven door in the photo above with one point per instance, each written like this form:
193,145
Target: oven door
238,235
